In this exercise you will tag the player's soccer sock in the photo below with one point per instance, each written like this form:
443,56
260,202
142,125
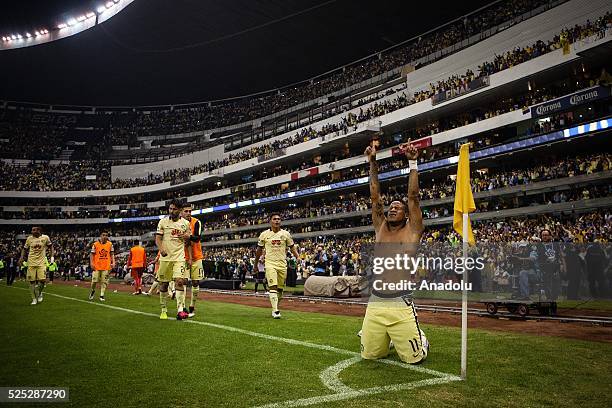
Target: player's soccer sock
162,301
153,287
180,300
172,286
195,289
103,288
274,300
93,285
33,290
280,295
41,286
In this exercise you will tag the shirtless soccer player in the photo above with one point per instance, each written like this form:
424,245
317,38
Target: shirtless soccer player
275,241
394,318
172,233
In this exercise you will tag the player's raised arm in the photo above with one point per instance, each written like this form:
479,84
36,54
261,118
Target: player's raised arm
378,211
415,216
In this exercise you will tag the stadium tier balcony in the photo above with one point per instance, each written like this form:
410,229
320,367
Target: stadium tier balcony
139,122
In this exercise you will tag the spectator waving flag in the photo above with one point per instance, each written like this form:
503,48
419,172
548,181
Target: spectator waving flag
464,200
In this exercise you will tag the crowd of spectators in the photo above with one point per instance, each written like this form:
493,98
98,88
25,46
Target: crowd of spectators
482,180
125,127
87,175
342,255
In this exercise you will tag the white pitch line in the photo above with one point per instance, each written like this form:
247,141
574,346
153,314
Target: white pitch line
360,393
329,376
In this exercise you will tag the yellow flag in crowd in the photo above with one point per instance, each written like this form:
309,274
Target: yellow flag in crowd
464,200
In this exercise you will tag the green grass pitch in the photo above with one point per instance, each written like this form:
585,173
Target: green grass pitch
238,356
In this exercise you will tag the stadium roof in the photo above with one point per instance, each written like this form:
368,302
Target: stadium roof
181,51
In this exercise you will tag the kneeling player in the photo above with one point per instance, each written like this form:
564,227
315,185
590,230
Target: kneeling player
394,318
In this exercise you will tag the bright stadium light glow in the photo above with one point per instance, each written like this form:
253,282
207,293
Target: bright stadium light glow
28,35
101,9
71,21
36,33
61,26
90,14
81,18
109,4
19,36
14,37
45,31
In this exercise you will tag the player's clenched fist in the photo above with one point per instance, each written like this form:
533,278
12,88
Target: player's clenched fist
370,152
411,152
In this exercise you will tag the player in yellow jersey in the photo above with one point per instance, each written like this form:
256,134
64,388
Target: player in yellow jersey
172,234
102,261
193,256
37,245
275,241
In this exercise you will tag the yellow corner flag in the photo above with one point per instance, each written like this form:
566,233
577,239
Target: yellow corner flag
464,200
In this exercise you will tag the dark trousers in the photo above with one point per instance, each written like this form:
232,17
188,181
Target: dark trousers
10,275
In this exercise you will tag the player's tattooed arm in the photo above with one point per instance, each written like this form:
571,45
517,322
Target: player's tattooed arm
378,211
415,216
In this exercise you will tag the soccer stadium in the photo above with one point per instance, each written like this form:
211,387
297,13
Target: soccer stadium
263,203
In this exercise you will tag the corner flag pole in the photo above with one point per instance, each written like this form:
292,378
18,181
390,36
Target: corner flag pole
464,204
464,299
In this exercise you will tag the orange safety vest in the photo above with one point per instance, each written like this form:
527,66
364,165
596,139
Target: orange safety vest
102,255
137,256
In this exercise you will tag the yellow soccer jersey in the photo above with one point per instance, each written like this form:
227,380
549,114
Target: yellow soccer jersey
38,250
276,244
171,232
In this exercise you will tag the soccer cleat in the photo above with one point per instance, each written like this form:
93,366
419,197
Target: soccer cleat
359,333
146,293
102,299
425,346
33,302
191,311
276,314
163,316
40,298
91,294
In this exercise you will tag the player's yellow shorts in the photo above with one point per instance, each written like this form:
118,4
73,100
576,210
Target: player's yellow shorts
399,324
196,270
169,270
100,276
276,276
36,273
